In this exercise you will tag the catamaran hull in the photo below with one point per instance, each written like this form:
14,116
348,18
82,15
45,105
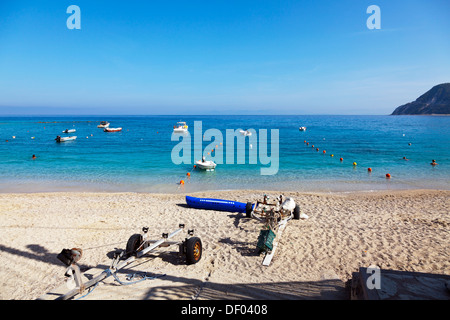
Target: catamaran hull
216,204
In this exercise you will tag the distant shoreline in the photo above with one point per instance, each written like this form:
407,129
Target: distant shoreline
434,114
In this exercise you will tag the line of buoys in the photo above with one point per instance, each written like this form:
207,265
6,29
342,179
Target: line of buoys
341,159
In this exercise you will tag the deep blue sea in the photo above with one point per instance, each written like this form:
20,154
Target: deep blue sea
139,158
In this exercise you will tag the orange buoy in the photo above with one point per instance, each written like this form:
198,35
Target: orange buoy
182,182
331,155
217,146
388,176
188,174
317,149
324,151
354,163
307,143
195,166
369,169
341,159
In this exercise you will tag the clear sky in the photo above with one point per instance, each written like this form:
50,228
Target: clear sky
220,56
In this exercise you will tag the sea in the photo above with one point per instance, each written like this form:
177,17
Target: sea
146,156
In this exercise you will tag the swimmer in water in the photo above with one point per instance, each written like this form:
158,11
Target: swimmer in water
433,163
33,157
404,158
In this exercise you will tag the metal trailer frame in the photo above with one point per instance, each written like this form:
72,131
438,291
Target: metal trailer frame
147,245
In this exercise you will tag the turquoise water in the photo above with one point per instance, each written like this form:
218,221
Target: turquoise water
138,158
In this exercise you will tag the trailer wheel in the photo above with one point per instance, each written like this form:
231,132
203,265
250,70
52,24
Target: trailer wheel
297,212
248,210
133,244
194,250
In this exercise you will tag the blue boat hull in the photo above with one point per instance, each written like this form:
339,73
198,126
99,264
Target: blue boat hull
216,204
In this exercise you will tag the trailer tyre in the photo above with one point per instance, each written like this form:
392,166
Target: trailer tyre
194,250
133,244
297,212
248,210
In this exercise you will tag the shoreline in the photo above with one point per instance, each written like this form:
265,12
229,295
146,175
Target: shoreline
262,191
403,230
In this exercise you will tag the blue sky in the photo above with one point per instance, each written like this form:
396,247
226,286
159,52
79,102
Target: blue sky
220,57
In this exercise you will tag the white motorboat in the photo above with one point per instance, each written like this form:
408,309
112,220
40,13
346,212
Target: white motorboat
103,124
69,131
181,127
206,165
302,128
64,139
245,133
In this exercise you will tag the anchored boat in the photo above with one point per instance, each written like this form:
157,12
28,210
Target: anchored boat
112,129
181,127
64,139
206,165
103,124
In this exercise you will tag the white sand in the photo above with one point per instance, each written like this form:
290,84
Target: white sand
398,230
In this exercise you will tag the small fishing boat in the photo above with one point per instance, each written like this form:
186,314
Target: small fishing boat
64,139
69,131
245,133
302,128
103,124
112,129
206,165
181,127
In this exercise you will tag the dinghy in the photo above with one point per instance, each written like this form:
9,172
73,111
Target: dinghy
206,165
112,129
64,139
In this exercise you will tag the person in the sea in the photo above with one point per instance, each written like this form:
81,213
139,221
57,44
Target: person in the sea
404,158
433,163
33,157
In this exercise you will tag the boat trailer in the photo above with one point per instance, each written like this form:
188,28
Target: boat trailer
274,215
138,245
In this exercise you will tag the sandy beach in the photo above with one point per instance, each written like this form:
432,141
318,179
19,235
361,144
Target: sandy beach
398,230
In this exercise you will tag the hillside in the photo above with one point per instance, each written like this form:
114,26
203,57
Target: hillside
434,101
